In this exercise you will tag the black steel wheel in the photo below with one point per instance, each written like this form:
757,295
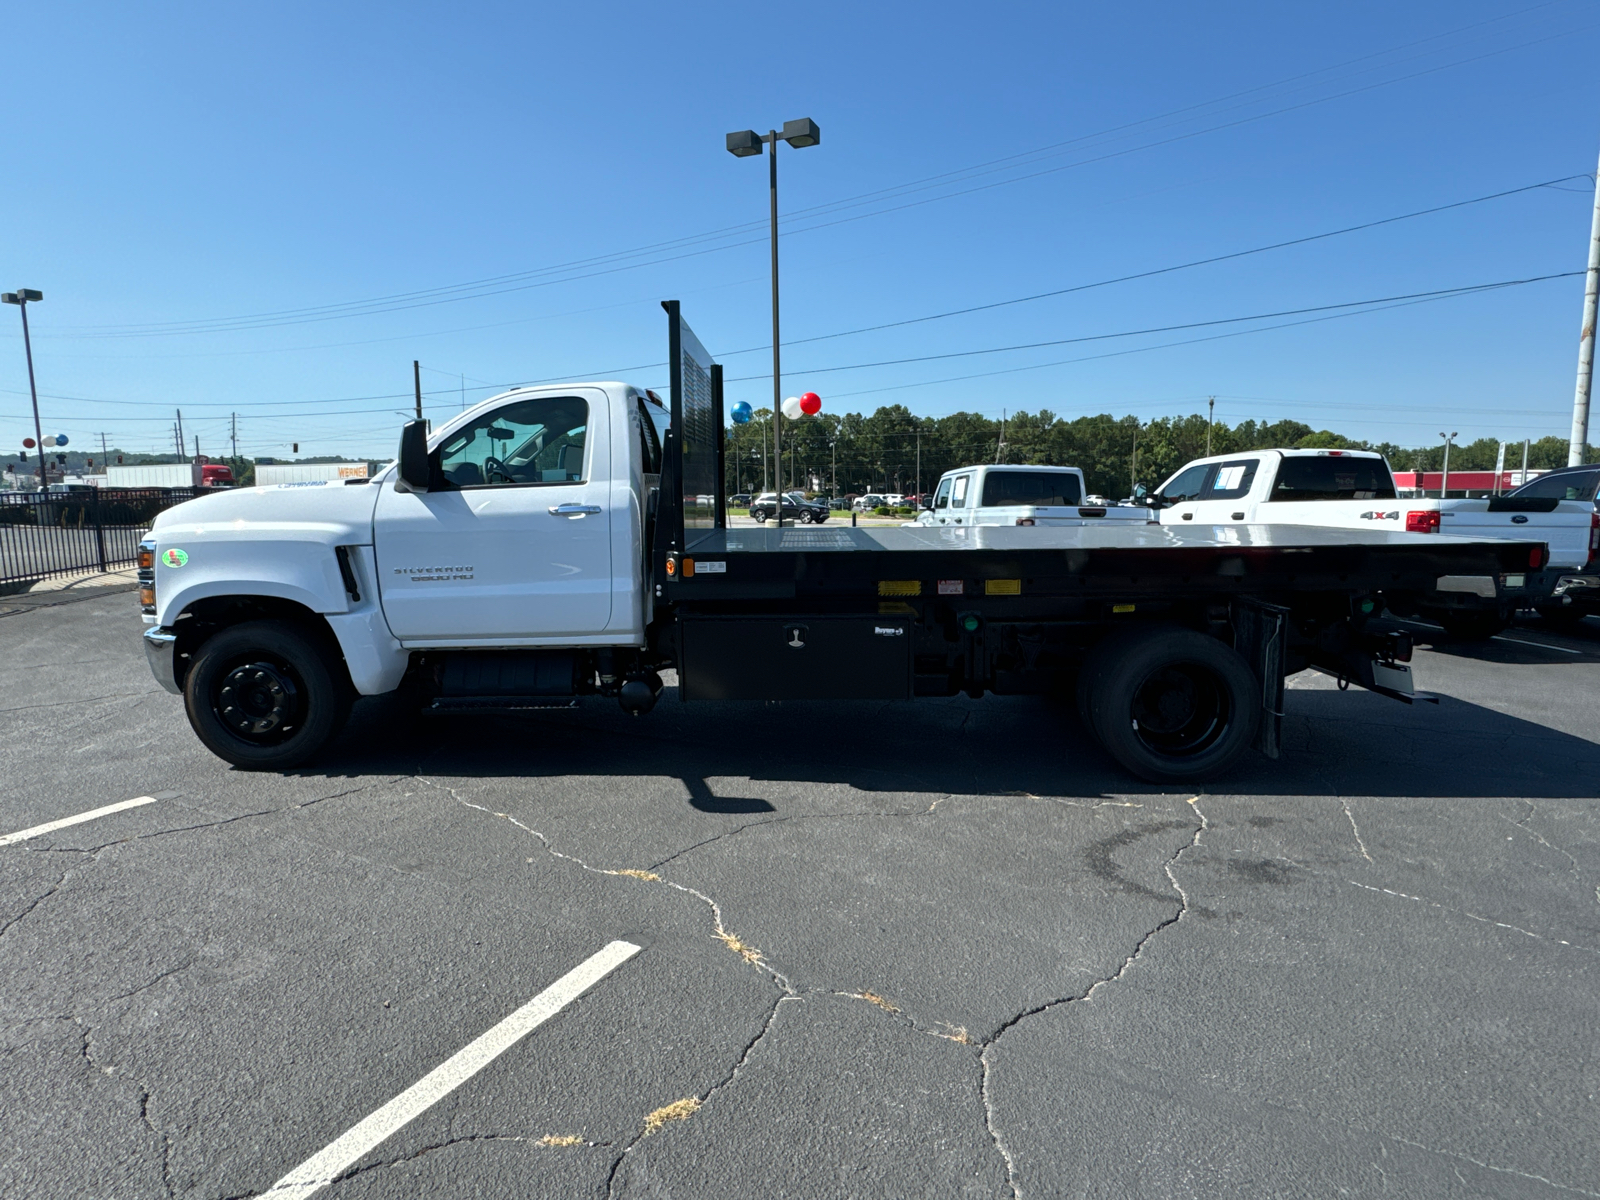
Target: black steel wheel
1170,704
266,695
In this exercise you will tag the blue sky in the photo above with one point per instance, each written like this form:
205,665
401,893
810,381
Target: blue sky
173,171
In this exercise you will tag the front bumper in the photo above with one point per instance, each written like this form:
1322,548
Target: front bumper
161,650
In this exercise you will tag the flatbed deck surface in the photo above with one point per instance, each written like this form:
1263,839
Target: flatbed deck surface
844,539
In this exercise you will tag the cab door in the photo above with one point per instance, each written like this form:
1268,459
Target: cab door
939,514
514,544
1182,493
1227,487
961,500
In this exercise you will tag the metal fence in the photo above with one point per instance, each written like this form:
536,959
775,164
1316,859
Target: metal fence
67,533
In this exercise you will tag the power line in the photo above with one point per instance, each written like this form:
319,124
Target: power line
475,289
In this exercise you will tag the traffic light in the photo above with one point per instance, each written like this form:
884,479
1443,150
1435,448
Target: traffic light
24,456
297,447
119,459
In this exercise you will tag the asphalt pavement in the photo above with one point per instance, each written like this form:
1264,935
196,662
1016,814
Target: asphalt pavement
938,948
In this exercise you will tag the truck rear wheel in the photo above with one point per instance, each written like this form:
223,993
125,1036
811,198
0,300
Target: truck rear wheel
265,695
1170,704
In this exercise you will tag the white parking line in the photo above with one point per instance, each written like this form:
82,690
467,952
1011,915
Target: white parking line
1500,637
321,1169
52,826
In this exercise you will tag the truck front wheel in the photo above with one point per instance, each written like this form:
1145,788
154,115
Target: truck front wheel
264,695
1170,704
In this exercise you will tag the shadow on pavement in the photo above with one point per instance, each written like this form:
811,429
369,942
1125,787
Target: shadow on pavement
1353,744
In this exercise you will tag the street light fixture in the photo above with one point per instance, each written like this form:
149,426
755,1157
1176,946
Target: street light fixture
22,297
1444,478
746,143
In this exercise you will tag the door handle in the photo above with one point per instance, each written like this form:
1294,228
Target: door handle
1186,516
573,510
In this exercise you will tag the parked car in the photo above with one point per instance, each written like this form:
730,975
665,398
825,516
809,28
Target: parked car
1577,592
868,502
796,508
1018,495
742,500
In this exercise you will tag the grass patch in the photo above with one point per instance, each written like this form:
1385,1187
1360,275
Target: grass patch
678,1110
749,953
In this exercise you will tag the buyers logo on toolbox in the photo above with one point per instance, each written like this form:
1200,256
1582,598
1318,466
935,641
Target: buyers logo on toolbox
174,557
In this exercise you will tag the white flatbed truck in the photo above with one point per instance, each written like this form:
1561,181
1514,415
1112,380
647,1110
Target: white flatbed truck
559,542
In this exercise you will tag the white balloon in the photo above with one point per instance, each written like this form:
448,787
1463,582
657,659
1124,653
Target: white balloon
791,408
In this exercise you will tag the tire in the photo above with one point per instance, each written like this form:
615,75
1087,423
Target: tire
266,695
1471,626
806,517
761,518
1170,705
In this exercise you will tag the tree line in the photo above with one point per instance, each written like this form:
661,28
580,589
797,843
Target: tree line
893,450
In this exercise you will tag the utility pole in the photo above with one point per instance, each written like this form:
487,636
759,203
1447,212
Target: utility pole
1577,449
919,463
1000,446
833,496
1526,442
20,298
416,383
1499,467
1444,479
234,432
1211,415
105,455
197,446
1133,465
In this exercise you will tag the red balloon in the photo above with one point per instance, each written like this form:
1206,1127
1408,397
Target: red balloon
27,443
811,404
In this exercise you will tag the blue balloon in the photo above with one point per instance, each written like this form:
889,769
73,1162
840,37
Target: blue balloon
740,413
61,439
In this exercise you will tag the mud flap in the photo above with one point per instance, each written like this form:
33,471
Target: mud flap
1259,630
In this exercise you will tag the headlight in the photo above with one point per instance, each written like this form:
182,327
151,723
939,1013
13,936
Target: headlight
147,576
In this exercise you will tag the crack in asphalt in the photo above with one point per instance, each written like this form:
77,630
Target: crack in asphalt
1354,828
1528,829
726,1082
51,891
987,1066
1461,912
1563,1187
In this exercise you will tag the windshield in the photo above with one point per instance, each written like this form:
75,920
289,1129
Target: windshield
1318,477
1030,487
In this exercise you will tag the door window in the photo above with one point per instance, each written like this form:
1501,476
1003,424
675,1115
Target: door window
958,494
942,500
525,442
1187,485
1232,480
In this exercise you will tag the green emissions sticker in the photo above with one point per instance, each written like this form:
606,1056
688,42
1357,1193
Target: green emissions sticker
174,557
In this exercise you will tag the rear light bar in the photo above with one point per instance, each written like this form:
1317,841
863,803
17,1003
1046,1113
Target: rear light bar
1426,521
1537,557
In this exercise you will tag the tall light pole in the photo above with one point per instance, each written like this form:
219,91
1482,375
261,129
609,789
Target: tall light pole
743,144
1211,416
1577,448
21,298
1444,479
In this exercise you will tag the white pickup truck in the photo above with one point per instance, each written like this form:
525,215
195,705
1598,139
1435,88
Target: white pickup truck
562,542
1353,489
1001,494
